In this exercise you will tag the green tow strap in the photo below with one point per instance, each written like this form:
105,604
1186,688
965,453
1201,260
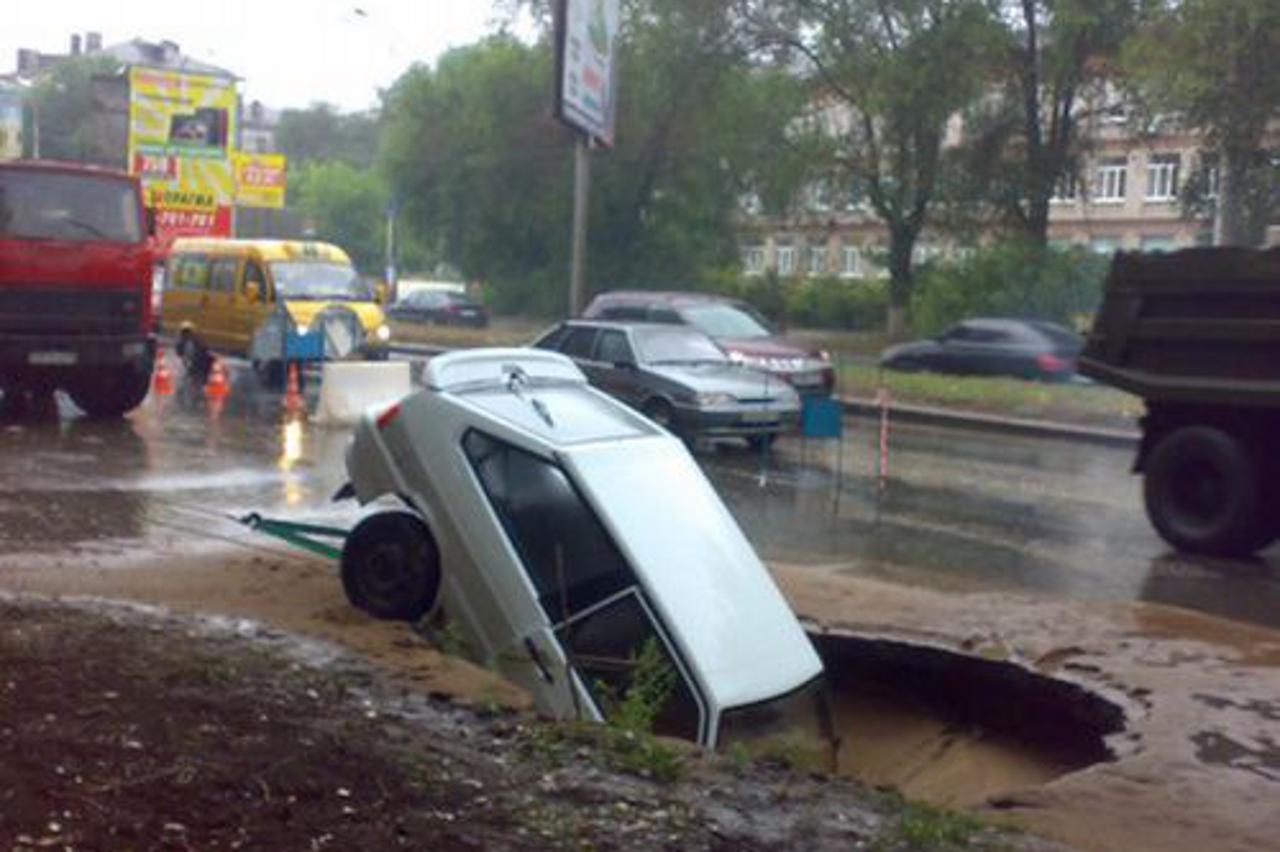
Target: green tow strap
299,535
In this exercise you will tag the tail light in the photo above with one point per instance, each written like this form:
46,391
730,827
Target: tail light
386,418
1051,363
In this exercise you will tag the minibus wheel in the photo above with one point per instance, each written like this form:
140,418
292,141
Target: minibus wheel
391,567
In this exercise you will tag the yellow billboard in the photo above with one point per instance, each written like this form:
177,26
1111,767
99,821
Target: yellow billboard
260,179
181,138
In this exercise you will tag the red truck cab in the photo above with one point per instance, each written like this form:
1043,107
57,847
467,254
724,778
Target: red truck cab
76,258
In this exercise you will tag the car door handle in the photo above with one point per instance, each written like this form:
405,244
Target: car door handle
536,656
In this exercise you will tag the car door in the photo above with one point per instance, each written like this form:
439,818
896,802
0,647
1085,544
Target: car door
220,321
186,289
254,305
614,362
962,350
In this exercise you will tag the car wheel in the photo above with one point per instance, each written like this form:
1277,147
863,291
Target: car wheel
391,567
1203,493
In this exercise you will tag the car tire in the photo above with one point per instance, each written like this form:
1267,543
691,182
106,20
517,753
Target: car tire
391,567
112,395
1203,491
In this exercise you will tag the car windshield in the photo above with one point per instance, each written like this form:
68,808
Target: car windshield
309,280
676,346
724,320
39,205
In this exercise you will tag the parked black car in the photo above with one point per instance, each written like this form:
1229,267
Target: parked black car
679,378
439,307
984,346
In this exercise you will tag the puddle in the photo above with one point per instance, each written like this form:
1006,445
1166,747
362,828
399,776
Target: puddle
957,730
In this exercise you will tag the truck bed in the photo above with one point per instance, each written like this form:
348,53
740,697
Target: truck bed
1198,326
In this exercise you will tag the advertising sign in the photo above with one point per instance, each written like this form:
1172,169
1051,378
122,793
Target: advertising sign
260,179
10,125
586,80
181,136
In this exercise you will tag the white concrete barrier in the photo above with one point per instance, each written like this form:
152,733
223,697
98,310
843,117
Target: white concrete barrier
349,388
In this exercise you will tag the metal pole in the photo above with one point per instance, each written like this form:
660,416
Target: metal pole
35,129
581,195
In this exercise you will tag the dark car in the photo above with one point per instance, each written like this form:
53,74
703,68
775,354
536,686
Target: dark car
679,378
439,307
734,325
1027,349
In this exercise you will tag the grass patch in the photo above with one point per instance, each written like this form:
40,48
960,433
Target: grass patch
915,827
1089,405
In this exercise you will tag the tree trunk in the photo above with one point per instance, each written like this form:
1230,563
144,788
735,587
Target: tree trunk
901,242
1231,223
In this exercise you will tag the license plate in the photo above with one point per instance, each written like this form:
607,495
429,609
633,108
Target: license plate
52,359
758,417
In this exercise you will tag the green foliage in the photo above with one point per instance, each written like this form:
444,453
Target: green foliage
652,680
826,302
920,828
1216,64
321,133
1016,278
486,173
70,125
344,206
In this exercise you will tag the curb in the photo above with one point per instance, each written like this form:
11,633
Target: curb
928,416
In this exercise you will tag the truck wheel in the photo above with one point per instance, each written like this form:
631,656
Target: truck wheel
391,567
1203,493
113,394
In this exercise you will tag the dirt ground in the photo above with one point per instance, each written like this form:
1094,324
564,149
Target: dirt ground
124,727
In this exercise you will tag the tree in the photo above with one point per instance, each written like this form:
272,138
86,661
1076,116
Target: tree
1215,65
320,132
68,116
889,77
485,171
1022,139
344,206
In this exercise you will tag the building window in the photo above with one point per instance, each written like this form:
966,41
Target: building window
1162,177
817,260
1103,246
753,260
1158,243
1111,181
786,261
850,262
1066,190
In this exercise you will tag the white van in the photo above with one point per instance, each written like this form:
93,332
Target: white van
562,535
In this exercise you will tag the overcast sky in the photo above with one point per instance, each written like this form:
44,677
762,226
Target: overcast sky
288,52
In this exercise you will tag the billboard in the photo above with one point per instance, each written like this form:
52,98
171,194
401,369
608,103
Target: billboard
586,66
10,124
181,136
260,179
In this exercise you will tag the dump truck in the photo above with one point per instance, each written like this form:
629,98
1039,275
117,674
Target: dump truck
1196,334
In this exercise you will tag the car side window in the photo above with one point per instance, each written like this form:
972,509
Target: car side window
553,339
570,558
579,342
191,272
613,348
223,275
253,275
666,316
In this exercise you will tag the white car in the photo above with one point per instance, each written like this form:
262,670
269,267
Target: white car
562,537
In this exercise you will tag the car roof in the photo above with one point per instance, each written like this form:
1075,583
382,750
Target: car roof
667,297
267,250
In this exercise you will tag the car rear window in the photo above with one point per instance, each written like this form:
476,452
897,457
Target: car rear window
720,319
39,205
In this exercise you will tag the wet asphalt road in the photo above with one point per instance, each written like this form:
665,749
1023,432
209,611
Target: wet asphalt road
959,510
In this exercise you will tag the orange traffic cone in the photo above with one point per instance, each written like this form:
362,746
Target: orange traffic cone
218,385
293,400
161,378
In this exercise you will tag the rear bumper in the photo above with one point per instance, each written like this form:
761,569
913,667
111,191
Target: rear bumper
55,356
